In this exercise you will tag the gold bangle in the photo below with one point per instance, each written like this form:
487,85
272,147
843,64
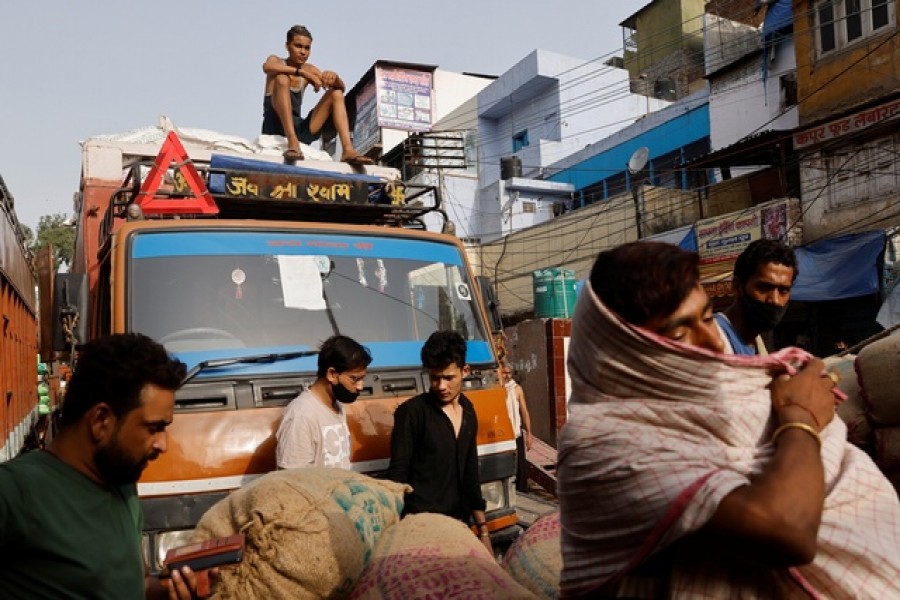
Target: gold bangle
794,425
484,535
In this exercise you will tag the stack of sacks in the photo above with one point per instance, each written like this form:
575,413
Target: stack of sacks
853,410
878,368
309,532
535,559
429,556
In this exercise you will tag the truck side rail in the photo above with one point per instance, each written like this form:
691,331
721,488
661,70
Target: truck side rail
243,187
251,189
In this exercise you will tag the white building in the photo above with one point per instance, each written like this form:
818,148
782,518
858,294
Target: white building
752,85
543,109
395,99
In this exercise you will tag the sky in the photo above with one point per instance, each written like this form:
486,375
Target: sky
72,70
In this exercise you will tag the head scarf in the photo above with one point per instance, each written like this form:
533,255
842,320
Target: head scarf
658,433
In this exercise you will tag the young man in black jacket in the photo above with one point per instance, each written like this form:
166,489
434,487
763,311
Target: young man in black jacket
433,445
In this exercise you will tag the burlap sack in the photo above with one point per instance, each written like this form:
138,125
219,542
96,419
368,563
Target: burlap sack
878,369
310,532
535,559
887,453
853,410
429,556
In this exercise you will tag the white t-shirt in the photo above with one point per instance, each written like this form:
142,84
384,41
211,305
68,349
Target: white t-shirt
512,406
312,435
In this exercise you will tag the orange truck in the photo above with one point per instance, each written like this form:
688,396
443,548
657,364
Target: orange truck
18,333
241,266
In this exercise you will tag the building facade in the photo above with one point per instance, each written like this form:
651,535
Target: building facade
848,77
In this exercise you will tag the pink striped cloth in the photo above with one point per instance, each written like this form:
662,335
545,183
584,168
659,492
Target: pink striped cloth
659,432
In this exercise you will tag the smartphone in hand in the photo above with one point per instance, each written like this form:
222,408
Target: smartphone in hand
207,554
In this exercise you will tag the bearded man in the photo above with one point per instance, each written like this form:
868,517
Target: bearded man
70,520
763,276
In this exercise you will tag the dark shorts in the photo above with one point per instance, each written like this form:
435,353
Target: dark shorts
272,124
303,133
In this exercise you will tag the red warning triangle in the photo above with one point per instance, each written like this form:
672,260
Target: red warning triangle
200,202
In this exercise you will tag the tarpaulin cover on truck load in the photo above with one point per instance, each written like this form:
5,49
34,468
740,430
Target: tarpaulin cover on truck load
220,162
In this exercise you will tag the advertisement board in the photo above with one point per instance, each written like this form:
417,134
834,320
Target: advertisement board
404,98
720,240
365,130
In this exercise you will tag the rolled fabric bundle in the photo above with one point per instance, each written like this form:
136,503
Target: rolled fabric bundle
535,559
429,556
878,367
852,411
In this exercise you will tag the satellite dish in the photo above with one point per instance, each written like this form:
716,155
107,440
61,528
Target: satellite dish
638,160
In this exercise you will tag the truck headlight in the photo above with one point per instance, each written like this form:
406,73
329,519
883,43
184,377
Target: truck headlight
158,545
495,495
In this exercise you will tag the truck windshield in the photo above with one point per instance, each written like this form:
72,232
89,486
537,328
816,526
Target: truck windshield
249,291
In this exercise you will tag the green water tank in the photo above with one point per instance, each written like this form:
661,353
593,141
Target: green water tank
554,292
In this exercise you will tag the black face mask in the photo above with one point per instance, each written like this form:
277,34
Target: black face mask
761,316
342,394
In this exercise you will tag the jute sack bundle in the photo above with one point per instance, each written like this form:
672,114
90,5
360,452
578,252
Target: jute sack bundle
878,367
535,559
887,453
428,556
309,532
853,410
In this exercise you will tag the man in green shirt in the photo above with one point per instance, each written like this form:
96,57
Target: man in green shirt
70,521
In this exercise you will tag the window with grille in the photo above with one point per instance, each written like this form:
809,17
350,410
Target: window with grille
862,172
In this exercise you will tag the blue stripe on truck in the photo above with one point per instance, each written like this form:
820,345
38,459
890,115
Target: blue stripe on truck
149,244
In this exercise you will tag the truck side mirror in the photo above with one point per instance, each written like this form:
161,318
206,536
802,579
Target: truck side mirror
491,305
70,310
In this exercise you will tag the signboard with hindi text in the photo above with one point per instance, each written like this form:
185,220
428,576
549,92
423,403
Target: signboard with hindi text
279,186
721,239
849,124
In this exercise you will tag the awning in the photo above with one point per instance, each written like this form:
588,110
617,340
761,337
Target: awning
683,237
834,269
839,268
764,148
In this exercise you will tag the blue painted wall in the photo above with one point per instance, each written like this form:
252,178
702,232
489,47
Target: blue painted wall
667,137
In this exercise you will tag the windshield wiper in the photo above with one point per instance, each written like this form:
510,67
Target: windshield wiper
243,360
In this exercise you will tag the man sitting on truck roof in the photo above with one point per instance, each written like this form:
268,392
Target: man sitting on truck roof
313,430
286,80
70,521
